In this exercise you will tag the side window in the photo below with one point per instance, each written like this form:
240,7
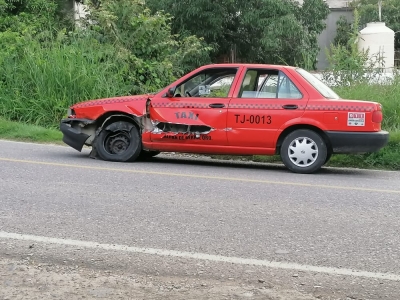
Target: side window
270,87
221,87
268,84
209,83
286,88
249,87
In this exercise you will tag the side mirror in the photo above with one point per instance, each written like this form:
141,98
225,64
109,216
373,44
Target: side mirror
171,92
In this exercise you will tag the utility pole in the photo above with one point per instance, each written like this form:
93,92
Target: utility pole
380,10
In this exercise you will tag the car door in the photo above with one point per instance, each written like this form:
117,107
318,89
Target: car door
267,99
195,111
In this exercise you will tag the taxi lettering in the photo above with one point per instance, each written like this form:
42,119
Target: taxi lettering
186,115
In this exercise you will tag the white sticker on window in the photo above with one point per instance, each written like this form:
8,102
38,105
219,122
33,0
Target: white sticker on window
204,90
355,119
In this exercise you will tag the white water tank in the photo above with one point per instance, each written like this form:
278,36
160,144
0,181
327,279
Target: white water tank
380,40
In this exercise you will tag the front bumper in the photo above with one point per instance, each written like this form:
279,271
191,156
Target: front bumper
72,132
357,142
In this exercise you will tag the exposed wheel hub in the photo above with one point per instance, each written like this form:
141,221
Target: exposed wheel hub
117,144
303,152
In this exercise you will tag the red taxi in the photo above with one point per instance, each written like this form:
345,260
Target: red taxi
235,109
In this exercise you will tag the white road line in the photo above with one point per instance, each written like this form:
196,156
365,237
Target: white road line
201,256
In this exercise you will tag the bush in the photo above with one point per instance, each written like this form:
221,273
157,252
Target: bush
122,50
39,85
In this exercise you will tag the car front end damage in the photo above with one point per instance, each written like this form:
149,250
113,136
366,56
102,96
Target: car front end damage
78,132
86,120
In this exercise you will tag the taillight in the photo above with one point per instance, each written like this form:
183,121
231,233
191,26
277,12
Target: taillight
377,116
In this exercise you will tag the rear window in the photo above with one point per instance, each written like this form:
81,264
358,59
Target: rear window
321,87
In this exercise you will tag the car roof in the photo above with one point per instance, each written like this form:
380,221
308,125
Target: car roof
247,65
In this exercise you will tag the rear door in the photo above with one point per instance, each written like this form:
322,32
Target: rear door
266,101
197,111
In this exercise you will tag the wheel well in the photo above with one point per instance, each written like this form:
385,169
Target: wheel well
114,116
290,129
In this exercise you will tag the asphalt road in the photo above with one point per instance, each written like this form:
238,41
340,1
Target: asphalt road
331,235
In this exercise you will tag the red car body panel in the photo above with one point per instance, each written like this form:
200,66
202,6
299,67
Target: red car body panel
231,124
94,109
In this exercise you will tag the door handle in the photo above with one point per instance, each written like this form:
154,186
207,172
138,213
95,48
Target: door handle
290,106
217,105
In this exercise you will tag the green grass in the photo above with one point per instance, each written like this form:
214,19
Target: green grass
28,133
40,82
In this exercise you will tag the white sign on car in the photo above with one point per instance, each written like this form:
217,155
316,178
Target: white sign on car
356,119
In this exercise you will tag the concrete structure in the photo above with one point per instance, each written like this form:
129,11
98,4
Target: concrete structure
78,8
379,39
338,8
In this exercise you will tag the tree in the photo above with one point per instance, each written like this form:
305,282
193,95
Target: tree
144,39
266,31
32,16
343,32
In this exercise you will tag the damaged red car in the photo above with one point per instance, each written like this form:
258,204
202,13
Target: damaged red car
235,109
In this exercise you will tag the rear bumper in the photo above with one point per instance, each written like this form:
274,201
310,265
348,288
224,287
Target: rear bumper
72,132
357,142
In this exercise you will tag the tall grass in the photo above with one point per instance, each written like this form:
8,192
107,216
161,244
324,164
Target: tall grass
38,85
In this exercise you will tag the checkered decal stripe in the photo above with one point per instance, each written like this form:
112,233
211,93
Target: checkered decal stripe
110,101
179,105
260,106
340,108
273,106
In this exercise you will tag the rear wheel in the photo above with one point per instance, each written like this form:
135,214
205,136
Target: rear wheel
304,151
328,157
119,141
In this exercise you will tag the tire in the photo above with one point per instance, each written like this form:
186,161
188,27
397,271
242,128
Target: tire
328,157
144,155
310,155
120,142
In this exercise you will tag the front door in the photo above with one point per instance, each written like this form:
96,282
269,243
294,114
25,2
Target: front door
266,101
197,111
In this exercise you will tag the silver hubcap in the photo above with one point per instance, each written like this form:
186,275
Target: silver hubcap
303,152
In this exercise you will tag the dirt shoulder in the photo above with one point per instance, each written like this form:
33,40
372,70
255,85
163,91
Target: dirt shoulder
25,279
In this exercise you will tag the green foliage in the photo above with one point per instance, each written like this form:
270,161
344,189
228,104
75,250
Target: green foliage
123,49
264,31
28,133
343,32
30,17
348,65
144,39
38,85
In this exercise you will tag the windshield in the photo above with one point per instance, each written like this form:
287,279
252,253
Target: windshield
318,84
